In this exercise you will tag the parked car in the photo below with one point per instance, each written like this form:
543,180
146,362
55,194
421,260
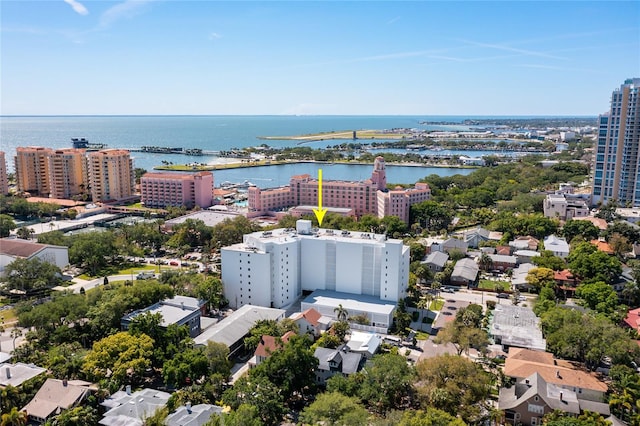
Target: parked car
145,275
502,296
448,289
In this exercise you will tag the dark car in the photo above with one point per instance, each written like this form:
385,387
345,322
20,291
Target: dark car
502,296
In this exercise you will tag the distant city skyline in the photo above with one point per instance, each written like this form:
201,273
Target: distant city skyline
80,57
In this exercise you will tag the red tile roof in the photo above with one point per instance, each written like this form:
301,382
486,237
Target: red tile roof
269,344
311,315
633,319
603,246
521,363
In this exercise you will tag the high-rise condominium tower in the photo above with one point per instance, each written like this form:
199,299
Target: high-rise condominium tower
617,162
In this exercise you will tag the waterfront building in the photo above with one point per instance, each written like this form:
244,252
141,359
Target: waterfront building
617,159
110,175
4,179
273,268
162,189
32,169
67,172
398,201
369,196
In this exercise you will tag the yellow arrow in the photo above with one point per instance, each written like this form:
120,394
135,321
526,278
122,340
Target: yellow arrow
319,211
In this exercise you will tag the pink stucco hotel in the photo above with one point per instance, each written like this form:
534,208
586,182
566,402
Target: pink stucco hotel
364,197
158,189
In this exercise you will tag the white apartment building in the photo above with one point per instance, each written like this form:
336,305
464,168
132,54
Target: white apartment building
273,268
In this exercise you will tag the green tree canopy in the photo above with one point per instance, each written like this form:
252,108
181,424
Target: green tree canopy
334,409
31,275
453,384
124,355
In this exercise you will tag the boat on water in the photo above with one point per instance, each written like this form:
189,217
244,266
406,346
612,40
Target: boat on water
83,143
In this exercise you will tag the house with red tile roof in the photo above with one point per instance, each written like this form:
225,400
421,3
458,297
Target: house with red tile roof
522,363
632,319
603,246
267,346
311,322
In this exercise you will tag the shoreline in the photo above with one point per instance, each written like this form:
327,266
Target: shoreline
265,163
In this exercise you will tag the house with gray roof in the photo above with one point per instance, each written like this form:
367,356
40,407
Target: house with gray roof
474,237
232,330
57,395
180,310
465,272
198,415
558,246
455,244
436,261
126,408
531,398
516,326
16,374
502,262
336,361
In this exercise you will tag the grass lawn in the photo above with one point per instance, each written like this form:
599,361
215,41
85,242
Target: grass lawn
7,316
491,285
115,271
436,305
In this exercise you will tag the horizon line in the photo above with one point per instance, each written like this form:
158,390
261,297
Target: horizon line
306,115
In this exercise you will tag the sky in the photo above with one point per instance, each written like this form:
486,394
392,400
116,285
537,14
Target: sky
85,57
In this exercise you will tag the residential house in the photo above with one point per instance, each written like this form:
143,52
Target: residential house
181,310
436,261
432,244
524,243
16,374
515,326
503,250
474,237
565,206
502,263
126,408
197,415
603,246
57,395
455,244
526,402
311,322
465,272
366,344
601,224
566,281
522,363
525,256
336,361
558,246
267,346
519,276
15,248
632,320
232,330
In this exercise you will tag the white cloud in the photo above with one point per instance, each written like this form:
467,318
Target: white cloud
214,36
125,10
77,7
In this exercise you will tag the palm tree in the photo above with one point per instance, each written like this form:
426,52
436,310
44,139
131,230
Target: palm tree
485,262
341,313
423,304
14,418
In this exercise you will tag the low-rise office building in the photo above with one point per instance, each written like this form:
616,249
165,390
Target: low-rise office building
180,310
